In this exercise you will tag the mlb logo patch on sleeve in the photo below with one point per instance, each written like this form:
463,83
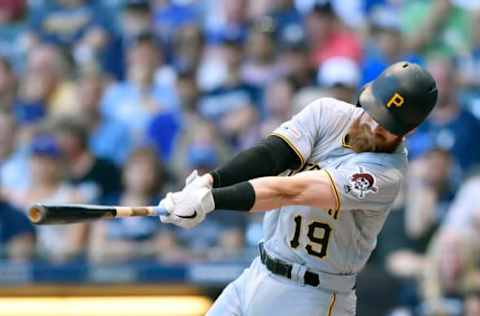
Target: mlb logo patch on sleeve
361,184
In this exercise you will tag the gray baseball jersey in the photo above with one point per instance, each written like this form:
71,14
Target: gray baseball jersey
338,240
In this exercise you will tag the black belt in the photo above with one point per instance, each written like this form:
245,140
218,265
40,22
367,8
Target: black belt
280,267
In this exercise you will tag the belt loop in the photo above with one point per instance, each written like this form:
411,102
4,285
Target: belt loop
263,255
298,273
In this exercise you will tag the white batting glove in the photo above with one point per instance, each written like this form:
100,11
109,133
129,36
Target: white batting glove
189,207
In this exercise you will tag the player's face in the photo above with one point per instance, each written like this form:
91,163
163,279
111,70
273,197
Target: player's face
366,135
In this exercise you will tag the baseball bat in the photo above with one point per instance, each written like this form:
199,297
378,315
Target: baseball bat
44,214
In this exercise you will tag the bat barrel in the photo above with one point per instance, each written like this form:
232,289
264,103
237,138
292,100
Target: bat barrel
42,214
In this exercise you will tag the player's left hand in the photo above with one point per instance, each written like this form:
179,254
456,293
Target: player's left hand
188,208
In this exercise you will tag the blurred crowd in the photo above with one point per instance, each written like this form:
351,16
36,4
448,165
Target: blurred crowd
116,101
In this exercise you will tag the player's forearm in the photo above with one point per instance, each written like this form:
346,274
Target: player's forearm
308,188
275,192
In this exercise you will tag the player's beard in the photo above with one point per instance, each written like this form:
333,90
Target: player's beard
362,139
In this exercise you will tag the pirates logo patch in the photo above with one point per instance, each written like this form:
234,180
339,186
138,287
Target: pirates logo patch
360,184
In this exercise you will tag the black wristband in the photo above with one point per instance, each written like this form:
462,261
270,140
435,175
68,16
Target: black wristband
237,197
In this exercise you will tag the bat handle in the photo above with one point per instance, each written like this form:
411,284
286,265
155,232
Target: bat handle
159,211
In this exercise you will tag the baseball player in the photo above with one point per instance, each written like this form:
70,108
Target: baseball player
327,178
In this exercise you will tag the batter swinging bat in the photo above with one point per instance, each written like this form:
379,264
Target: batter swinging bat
77,213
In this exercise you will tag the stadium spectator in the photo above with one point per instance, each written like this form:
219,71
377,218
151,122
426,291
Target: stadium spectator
226,19
12,28
430,191
55,243
285,16
232,104
14,173
109,138
96,178
449,126
80,25
17,235
162,132
260,66
135,19
45,87
8,84
188,48
135,100
170,16
202,136
449,270
294,60
278,104
328,36
202,156
386,44
464,213
340,76
436,27
136,238
188,93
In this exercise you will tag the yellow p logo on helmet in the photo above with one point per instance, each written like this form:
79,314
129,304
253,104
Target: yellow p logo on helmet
396,100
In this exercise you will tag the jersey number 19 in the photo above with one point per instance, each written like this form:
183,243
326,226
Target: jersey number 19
318,242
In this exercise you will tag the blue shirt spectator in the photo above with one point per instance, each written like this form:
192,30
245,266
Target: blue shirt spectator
14,172
225,19
14,226
454,136
449,126
85,27
134,108
64,24
224,99
145,93
14,160
286,17
162,133
110,140
169,17
387,45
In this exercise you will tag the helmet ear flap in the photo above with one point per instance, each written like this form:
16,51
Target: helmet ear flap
356,97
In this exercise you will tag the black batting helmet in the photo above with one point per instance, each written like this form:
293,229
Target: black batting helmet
400,98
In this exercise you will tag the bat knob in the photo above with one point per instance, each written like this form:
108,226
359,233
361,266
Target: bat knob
36,213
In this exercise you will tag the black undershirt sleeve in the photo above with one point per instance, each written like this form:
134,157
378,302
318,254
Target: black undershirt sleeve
269,157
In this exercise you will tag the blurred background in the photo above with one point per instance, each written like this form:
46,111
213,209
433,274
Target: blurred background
117,101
